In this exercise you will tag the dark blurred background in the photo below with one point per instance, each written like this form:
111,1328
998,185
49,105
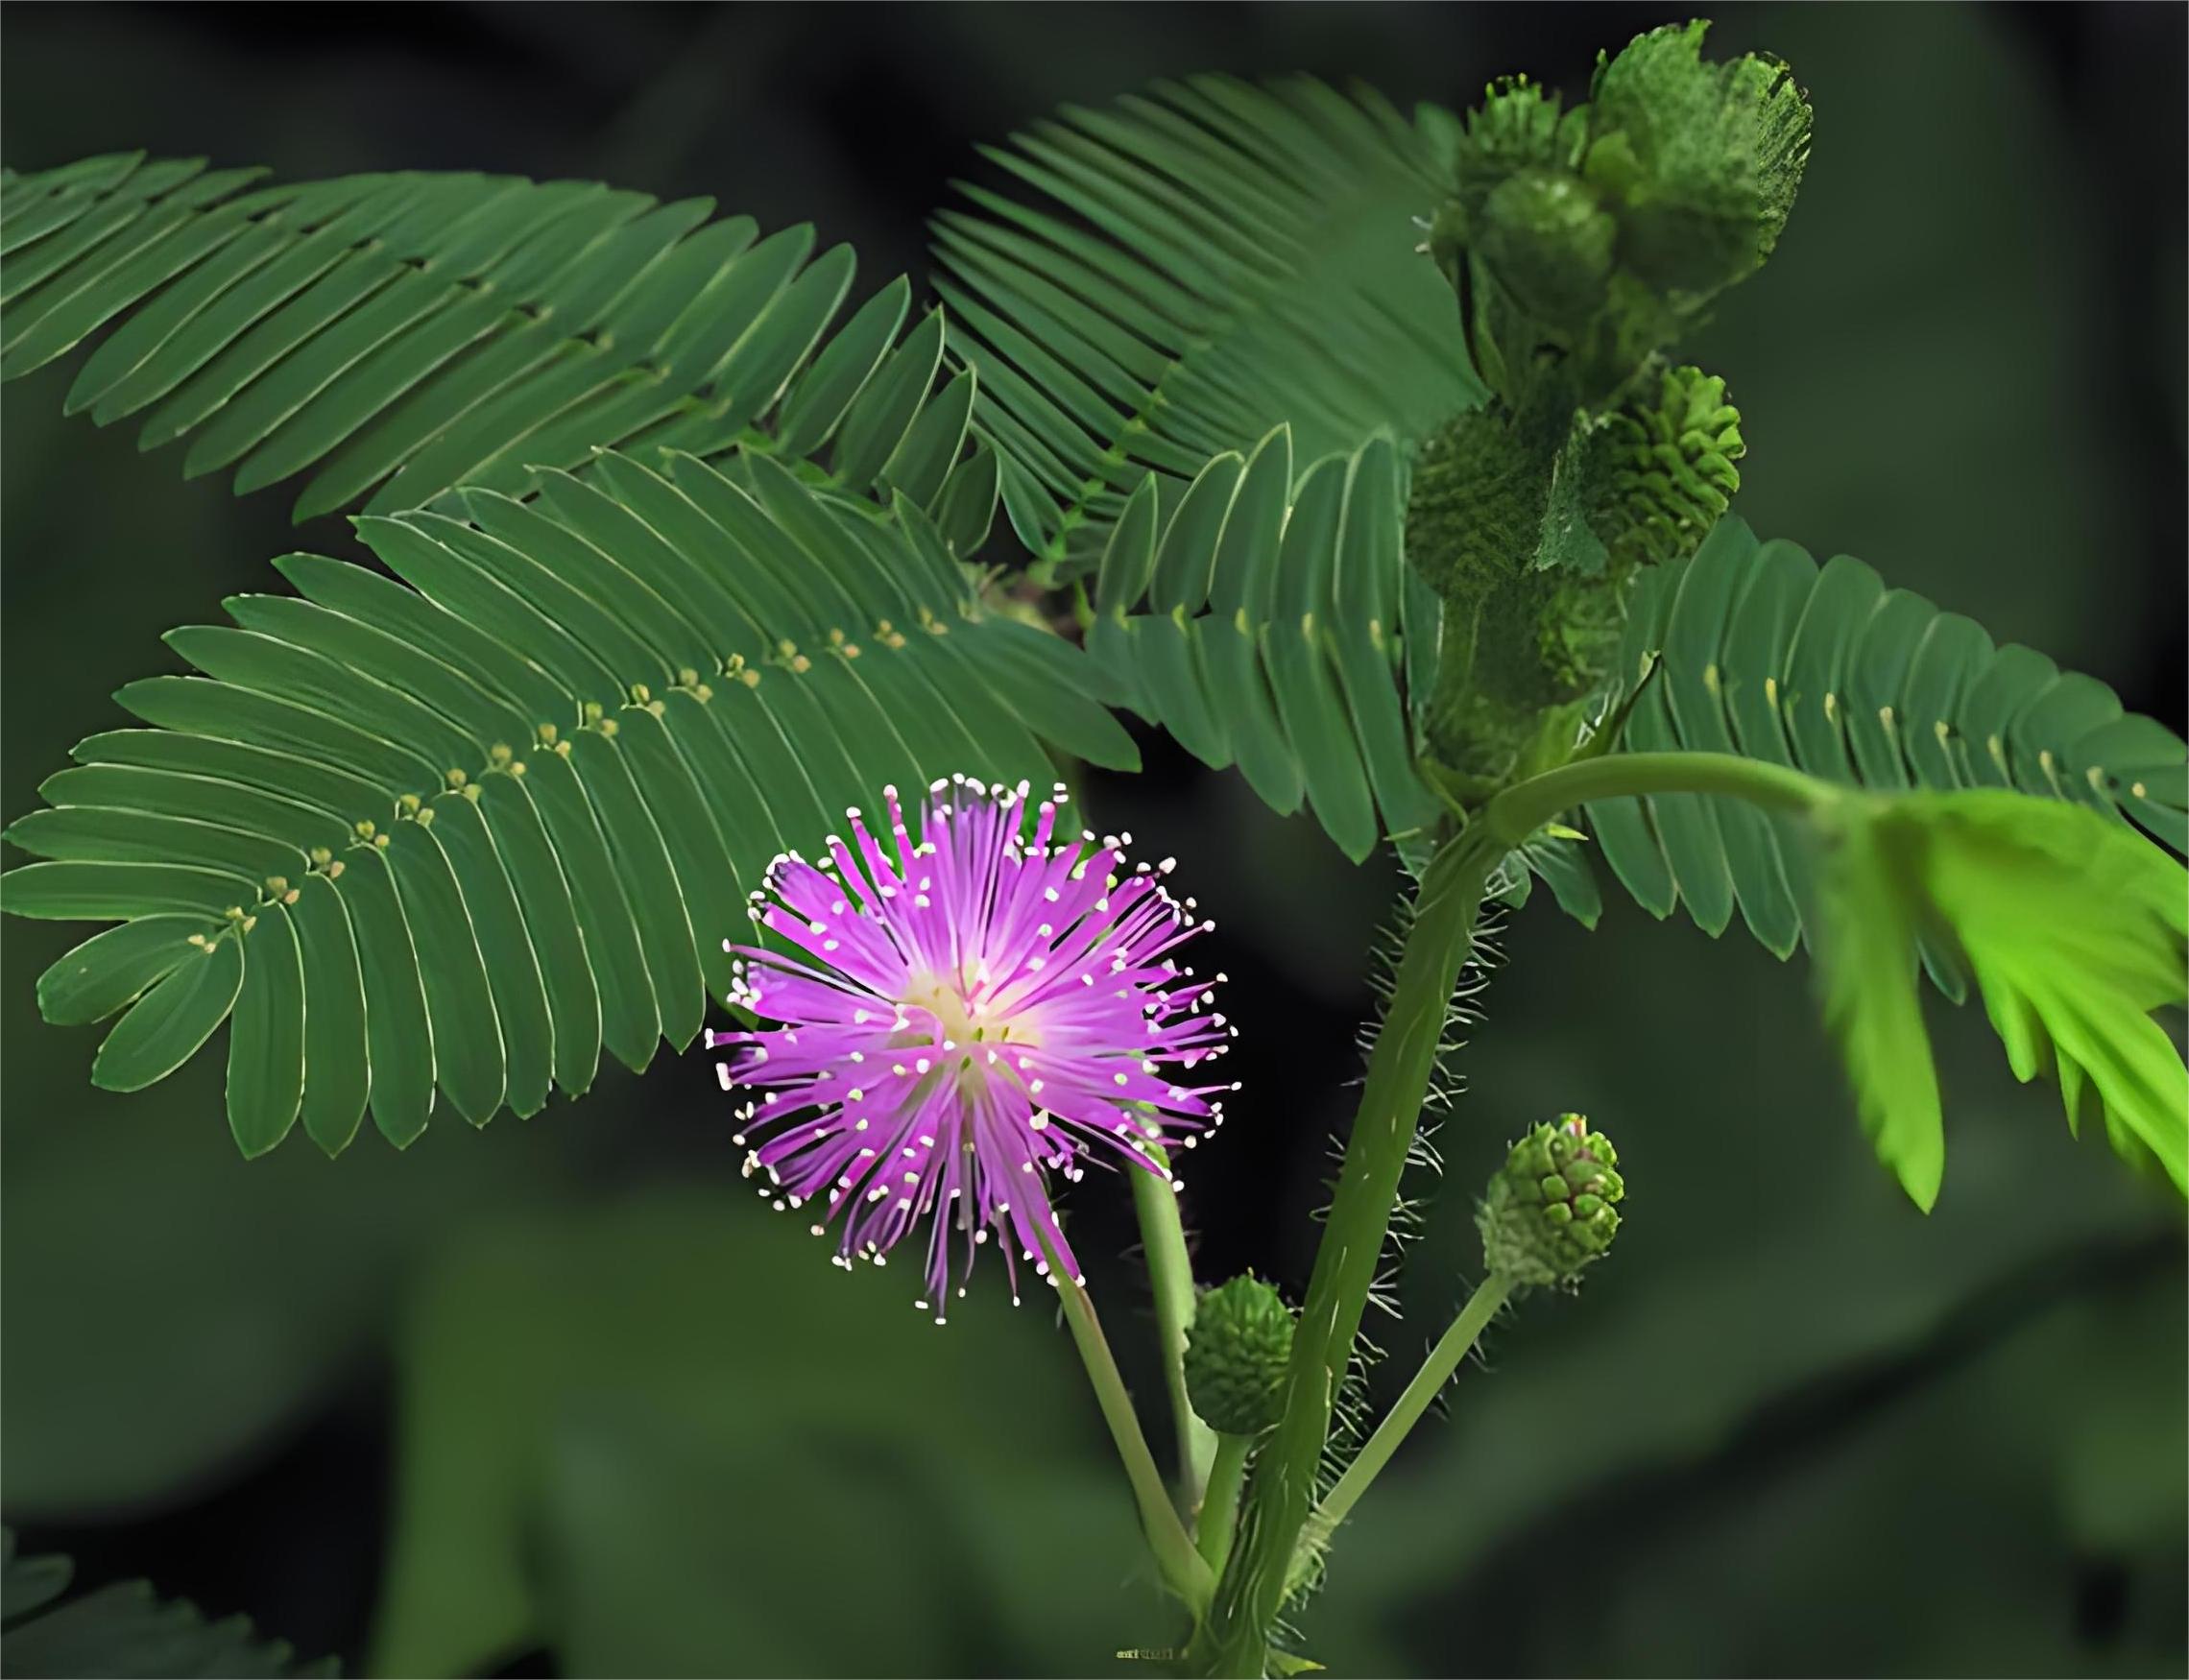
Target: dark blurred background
560,1396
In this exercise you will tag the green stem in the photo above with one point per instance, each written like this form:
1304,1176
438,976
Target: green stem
1219,1507
1183,1570
1521,809
1170,1273
1420,1394
1234,1639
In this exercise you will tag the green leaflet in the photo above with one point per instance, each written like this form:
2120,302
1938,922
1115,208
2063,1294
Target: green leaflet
396,336
882,416
453,833
124,1629
111,969
1866,972
265,1044
469,1061
527,853
2075,929
1767,654
164,1028
1292,670
822,395
1184,270
338,1076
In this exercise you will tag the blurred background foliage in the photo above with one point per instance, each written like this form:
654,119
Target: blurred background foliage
562,1397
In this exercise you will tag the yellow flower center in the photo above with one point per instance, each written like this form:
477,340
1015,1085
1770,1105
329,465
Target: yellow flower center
960,1023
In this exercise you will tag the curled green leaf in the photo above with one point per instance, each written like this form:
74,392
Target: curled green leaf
2074,928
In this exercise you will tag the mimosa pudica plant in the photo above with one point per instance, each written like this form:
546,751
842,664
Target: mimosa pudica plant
1349,448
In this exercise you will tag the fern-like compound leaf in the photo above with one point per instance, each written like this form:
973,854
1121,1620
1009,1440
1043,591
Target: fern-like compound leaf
1767,654
397,335
455,835
1261,620
1181,272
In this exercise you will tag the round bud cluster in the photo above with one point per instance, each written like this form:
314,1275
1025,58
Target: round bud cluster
1669,472
1596,235
1501,524
1551,1209
1235,1356
1584,241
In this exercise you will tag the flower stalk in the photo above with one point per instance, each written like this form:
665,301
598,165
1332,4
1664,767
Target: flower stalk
1455,1345
1218,1518
1234,1637
1516,813
1182,1570
1170,1276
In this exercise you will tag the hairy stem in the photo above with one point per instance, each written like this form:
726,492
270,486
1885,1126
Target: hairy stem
1521,809
1234,1639
1219,1507
1170,1273
1183,1570
1420,1394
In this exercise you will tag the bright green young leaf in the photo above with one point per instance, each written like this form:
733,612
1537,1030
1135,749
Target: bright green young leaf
2074,929
1866,971
1756,649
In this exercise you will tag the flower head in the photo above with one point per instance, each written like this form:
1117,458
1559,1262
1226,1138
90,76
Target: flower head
1236,1354
961,1017
1550,1210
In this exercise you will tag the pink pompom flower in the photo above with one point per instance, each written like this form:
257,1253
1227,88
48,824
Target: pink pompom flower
956,1020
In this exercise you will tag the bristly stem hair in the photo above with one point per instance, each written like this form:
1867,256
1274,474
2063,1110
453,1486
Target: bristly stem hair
1234,1637
1455,1345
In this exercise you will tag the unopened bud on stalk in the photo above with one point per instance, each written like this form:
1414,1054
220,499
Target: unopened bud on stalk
1235,1356
1550,1210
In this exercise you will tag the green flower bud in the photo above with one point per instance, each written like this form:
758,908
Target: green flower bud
1668,470
1474,514
1516,127
1549,242
1235,1356
1585,242
1550,1210
1705,158
1499,524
